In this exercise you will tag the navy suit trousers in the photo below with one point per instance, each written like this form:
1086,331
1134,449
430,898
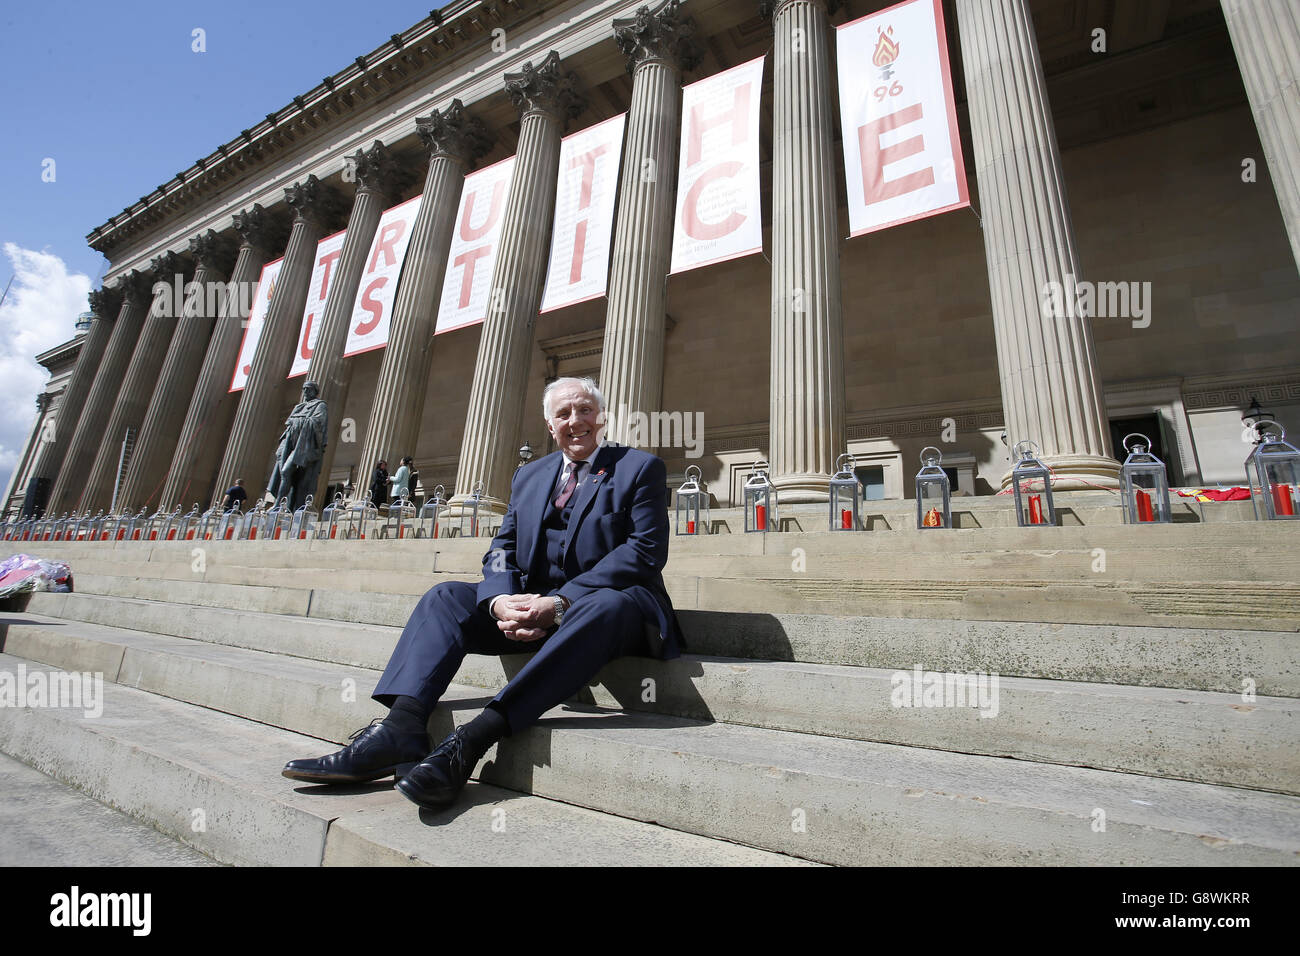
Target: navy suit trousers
447,624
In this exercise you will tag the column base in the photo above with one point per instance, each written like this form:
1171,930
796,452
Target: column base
803,488
1078,472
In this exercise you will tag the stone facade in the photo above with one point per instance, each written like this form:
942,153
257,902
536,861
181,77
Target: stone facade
1148,146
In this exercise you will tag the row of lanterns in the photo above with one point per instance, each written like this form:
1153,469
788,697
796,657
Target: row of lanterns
340,519
1272,470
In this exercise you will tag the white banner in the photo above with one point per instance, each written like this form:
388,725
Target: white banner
256,319
902,154
474,245
719,213
584,214
372,312
328,251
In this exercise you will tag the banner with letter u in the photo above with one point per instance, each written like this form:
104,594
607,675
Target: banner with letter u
328,251
719,211
466,289
902,153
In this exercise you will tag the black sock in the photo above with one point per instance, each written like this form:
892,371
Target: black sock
486,729
407,716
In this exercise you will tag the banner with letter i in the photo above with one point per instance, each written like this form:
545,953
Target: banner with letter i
902,152
328,251
719,205
584,214
372,311
256,319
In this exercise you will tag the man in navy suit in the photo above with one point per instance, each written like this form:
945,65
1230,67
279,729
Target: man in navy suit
574,576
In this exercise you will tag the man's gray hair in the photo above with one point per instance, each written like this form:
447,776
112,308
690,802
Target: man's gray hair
588,385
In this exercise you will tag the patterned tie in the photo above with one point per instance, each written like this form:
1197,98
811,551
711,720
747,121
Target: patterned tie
567,492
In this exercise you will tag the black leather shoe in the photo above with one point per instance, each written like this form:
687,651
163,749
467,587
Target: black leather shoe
439,779
376,751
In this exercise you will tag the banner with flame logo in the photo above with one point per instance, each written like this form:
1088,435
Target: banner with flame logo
902,153
256,319
328,251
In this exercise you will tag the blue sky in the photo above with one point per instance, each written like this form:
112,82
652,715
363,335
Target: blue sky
116,96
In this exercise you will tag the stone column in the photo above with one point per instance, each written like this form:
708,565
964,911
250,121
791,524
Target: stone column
104,303
66,495
455,139
379,183
658,47
1266,36
806,400
259,420
545,96
203,435
1051,393
137,386
156,444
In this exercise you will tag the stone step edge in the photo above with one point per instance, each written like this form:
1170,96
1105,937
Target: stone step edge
337,831
297,708
752,805
1268,649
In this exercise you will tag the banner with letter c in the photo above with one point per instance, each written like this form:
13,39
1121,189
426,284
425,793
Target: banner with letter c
719,212
902,152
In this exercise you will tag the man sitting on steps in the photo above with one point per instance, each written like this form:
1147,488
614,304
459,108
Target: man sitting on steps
573,576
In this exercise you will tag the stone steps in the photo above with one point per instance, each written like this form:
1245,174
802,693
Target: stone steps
212,780
818,798
361,629
1119,699
1188,735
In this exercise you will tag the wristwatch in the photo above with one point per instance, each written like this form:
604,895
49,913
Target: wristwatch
559,609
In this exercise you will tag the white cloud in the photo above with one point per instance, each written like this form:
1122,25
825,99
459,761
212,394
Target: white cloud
38,313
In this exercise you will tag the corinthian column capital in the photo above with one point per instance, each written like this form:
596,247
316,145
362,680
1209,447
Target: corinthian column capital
312,201
105,303
377,171
768,9
257,228
661,34
454,134
213,250
135,287
545,88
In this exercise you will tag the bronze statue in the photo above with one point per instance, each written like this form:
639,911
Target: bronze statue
302,446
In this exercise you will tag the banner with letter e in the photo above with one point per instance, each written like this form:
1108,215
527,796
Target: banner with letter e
902,153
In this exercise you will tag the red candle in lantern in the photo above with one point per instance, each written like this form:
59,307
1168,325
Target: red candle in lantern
690,527
1144,506
252,532
334,531
435,526
1035,509
846,519
760,517
230,532
171,535
1282,500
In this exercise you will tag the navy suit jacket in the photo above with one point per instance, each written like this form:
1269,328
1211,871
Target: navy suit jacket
617,537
